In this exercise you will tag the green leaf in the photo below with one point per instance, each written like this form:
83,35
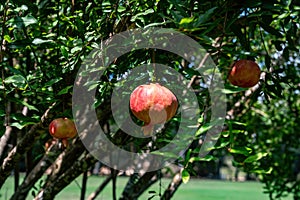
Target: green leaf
262,171
80,25
238,123
53,81
205,17
227,133
64,52
75,49
65,90
21,117
20,22
208,126
185,176
28,20
270,29
241,150
24,103
8,38
121,8
222,145
254,158
155,24
37,41
15,78
165,154
207,158
230,89
146,12
186,20
21,125
180,11
21,8
17,81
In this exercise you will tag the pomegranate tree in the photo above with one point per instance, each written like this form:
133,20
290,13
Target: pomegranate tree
244,73
153,104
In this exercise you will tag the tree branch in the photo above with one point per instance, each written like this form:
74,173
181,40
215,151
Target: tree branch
4,139
66,178
36,173
100,188
135,188
22,147
64,161
173,186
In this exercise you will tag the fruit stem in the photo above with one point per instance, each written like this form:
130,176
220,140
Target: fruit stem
153,75
148,129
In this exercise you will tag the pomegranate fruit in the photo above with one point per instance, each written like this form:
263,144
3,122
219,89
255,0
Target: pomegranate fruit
62,128
244,73
153,104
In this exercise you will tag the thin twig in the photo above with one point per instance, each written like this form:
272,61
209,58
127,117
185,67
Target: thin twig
114,183
173,186
100,188
4,139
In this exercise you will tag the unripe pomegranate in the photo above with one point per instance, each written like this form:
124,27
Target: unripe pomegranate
62,128
244,73
153,104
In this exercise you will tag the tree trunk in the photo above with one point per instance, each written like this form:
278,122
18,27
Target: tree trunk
23,146
36,173
64,161
54,187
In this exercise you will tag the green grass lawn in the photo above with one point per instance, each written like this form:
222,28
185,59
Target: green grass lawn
194,189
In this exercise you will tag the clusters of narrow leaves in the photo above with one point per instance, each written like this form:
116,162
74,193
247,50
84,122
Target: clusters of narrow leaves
43,44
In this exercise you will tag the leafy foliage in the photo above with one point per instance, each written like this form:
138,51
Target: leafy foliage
43,44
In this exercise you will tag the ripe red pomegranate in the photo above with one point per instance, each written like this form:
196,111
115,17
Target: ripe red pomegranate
62,128
244,73
153,104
